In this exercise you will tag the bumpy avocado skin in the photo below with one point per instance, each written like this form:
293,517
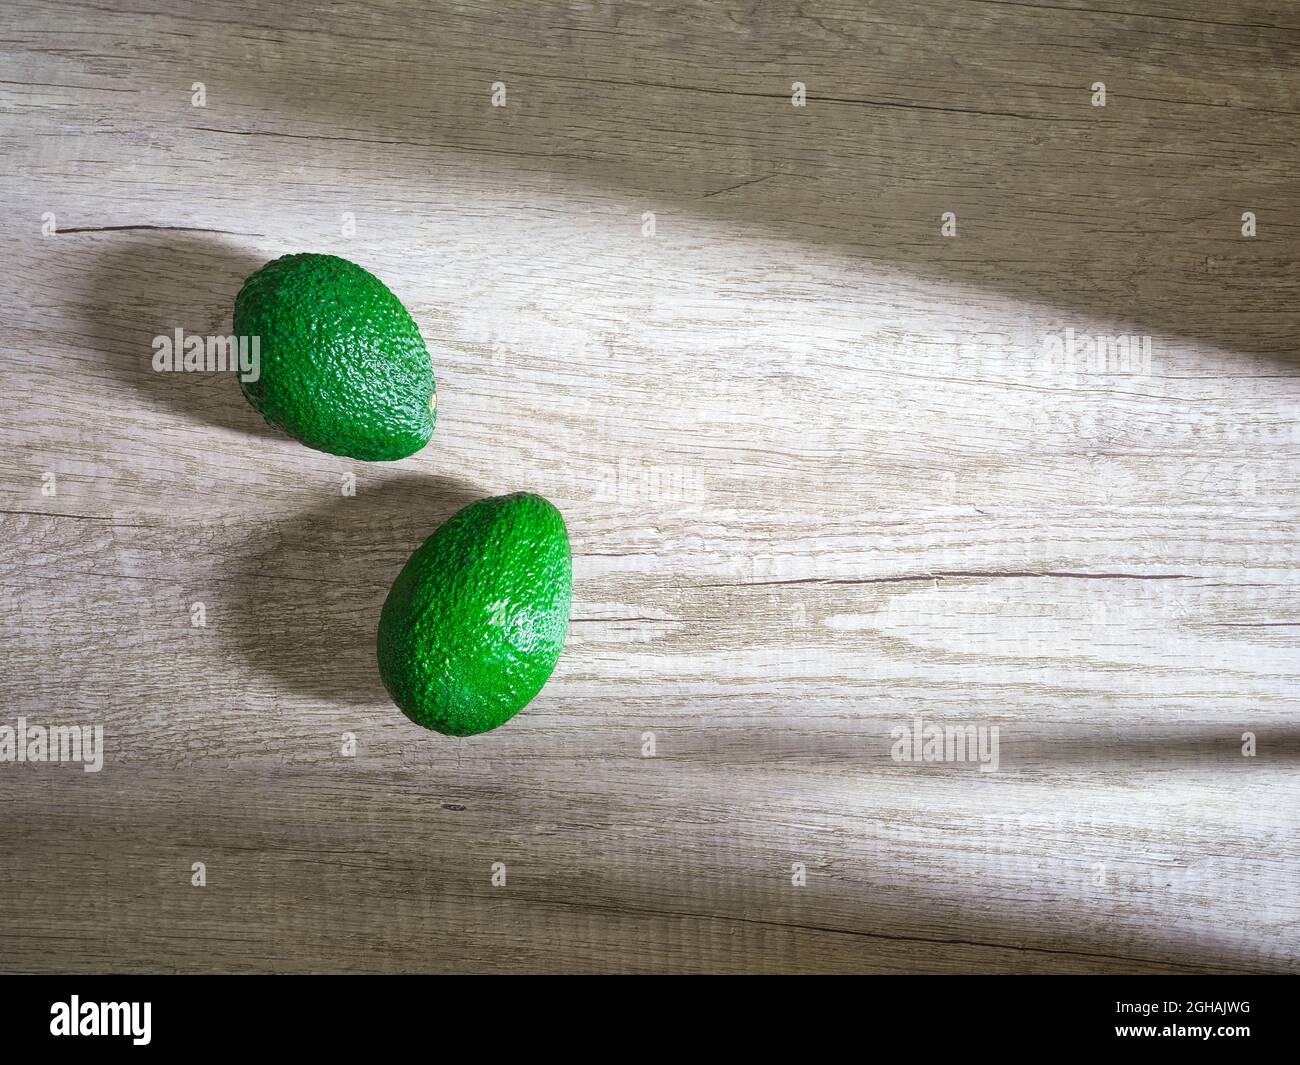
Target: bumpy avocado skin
343,366
475,622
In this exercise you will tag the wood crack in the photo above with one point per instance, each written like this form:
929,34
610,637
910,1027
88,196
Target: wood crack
742,185
1139,14
964,574
853,100
863,934
150,228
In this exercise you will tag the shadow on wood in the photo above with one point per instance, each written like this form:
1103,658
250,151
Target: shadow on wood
306,600
143,287
1114,214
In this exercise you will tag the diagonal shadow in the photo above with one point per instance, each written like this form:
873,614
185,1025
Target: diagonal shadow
146,286
1128,213
305,603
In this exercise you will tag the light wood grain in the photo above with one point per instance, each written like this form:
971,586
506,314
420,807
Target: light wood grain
822,471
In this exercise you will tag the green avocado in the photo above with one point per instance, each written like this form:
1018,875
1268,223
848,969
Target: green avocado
475,622
343,367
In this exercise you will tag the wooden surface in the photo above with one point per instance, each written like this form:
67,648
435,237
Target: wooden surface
822,469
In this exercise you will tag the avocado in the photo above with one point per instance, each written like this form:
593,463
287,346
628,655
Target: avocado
343,366
475,622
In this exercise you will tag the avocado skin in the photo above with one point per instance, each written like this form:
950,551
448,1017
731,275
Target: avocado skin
343,366
475,622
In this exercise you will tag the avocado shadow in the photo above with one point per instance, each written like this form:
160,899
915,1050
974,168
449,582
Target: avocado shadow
151,285
306,602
